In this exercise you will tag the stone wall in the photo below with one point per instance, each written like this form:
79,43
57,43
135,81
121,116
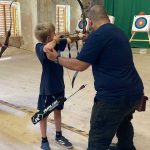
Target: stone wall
28,21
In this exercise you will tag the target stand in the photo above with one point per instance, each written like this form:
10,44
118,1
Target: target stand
112,19
141,23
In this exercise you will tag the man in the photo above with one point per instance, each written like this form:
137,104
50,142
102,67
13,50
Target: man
117,83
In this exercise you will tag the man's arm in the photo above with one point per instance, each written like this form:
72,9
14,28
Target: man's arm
70,63
73,63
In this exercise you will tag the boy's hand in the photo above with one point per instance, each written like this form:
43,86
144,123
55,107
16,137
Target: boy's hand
57,38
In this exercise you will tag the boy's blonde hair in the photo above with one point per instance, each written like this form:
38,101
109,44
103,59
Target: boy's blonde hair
43,30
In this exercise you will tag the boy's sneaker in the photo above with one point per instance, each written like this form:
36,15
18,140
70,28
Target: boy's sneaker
45,146
63,141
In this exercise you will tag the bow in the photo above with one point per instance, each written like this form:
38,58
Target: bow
84,31
6,43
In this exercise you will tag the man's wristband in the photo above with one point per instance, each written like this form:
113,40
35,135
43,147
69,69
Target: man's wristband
56,59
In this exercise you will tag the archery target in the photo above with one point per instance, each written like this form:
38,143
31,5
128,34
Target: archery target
112,19
79,26
141,23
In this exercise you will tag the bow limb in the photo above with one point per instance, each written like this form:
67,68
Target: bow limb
69,48
76,73
83,16
74,77
84,31
77,47
81,5
6,43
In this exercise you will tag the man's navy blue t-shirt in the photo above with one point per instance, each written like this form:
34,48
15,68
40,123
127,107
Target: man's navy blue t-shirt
52,81
108,51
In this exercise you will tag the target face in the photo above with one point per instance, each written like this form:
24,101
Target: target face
140,23
81,23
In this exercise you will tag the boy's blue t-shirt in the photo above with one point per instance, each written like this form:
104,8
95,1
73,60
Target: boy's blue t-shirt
52,81
108,51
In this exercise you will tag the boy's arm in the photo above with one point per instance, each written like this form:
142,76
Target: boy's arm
52,44
39,52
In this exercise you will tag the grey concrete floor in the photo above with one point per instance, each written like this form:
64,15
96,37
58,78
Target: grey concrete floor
19,85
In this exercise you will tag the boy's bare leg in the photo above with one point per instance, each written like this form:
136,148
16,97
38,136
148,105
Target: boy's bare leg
57,119
43,127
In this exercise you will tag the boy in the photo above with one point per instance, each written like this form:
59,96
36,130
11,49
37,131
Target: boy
52,83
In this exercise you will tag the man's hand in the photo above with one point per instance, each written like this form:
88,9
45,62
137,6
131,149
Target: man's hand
51,54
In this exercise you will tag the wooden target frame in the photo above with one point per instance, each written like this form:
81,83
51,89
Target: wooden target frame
112,19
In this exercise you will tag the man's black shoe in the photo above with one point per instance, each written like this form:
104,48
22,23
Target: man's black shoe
114,146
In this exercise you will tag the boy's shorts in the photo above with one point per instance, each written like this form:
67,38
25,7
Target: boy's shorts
46,100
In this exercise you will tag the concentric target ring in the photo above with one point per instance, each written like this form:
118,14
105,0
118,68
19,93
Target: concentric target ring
140,23
80,25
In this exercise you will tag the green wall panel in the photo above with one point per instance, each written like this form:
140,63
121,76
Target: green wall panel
124,11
